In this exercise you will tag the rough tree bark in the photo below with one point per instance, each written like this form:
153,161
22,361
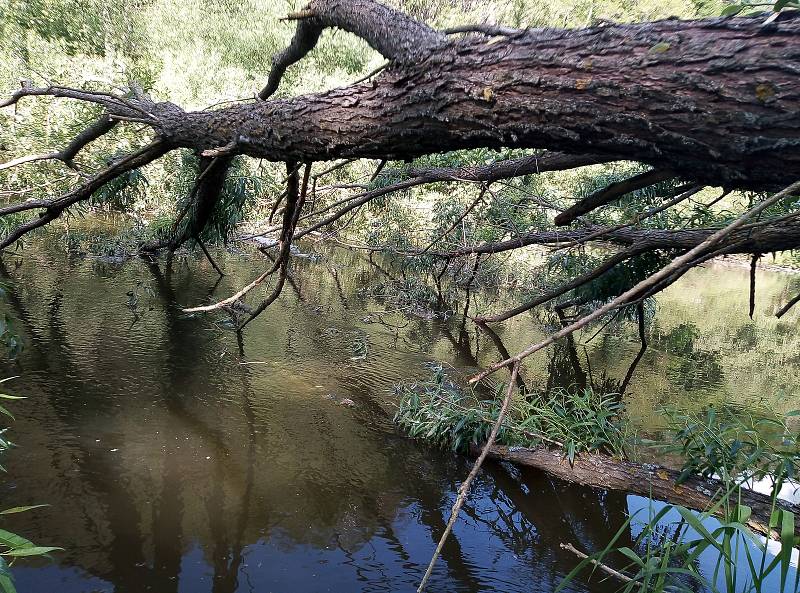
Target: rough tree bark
713,102
658,482
716,100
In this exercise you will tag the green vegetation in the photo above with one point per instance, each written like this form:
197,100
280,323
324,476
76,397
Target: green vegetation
211,53
13,546
575,420
734,446
738,448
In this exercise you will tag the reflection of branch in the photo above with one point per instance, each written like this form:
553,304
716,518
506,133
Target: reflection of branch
464,489
643,339
501,348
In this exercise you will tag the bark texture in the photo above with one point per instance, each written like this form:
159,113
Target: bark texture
602,471
715,100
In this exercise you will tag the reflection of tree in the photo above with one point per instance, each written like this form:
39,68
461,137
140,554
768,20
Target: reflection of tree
532,513
111,495
691,366
355,473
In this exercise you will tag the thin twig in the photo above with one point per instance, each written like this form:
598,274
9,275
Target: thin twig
464,490
598,564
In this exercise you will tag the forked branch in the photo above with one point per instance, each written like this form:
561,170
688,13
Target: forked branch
678,265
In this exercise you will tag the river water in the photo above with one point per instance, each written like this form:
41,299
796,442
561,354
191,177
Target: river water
175,458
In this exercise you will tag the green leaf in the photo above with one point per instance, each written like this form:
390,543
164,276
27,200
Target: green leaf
660,48
631,555
7,584
732,10
12,540
787,543
34,551
698,526
22,509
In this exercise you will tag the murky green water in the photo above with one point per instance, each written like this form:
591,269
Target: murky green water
176,459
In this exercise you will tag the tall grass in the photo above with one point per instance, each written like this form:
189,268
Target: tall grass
737,448
576,420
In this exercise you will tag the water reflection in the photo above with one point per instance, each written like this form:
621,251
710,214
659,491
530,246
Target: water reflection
179,458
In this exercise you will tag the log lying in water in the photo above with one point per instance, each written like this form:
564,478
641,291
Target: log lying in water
658,482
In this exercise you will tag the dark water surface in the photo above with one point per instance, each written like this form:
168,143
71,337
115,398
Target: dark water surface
176,459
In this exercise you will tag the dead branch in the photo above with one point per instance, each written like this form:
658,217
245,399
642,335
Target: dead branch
606,569
396,36
684,192
464,489
67,154
683,262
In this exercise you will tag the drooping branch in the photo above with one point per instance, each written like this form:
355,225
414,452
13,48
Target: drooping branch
635,249
610,193
294,205
677,266
576,282
505,169
456,222
55,207
682,193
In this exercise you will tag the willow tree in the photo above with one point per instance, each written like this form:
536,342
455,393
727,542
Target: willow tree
710,102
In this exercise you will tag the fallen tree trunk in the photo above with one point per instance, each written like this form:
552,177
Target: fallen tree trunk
660,483
710,101
715,100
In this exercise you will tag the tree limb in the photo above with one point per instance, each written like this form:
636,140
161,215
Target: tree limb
55,207
67,154
610,193
680,263
395,35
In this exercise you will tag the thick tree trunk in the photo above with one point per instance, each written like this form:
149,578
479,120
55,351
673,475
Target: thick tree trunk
660,483
714,100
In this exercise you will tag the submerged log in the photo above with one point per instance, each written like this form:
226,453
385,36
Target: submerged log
655,481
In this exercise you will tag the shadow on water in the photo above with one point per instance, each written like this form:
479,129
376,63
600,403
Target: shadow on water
178,459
